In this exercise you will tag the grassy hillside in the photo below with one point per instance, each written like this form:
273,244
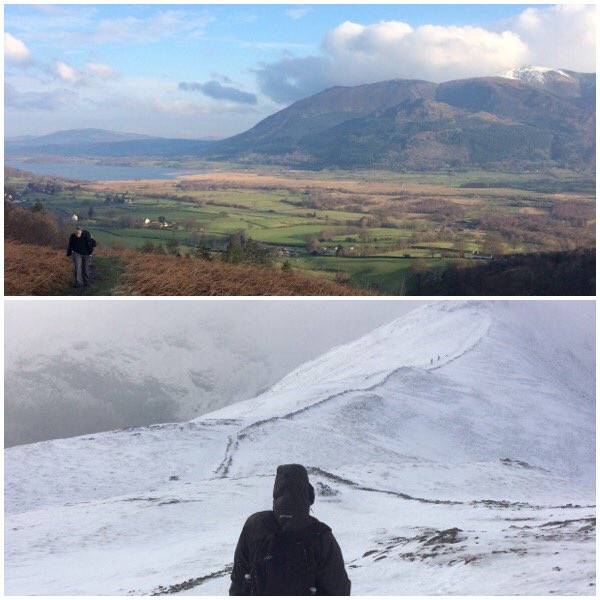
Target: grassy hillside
31,270
152,275
35,271
36,264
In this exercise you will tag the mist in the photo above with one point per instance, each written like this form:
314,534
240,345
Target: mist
74,368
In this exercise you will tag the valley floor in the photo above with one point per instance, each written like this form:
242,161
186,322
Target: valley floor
393,233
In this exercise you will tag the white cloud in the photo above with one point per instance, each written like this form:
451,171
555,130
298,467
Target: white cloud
66,72
81,25
157,107
353,53
92,73
145,104
394,49
15,51
163,24
100,70
298,12
560,36
47,101
179,107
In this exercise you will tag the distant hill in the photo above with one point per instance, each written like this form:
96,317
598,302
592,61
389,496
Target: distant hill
527,118
102,143
79,136
516,120
283,133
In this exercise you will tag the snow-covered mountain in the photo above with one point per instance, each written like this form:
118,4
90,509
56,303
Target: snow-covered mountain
129,367
452,452
536,75
107,383
559,81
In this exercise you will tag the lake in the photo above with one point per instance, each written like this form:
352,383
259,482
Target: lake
94,172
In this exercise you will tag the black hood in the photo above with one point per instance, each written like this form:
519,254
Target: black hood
293,496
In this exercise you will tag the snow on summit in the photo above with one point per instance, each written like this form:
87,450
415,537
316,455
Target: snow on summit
452,452
564,83
536,75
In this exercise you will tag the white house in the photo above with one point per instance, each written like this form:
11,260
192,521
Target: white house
74,217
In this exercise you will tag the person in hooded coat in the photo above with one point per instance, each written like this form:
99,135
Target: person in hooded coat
81,246
293,495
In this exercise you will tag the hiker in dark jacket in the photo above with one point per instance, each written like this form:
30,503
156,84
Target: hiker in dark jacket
81,245
285,551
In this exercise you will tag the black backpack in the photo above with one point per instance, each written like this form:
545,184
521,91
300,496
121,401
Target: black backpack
285,563
89,240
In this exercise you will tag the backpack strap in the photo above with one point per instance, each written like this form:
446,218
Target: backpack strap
271,525
314,529
269,521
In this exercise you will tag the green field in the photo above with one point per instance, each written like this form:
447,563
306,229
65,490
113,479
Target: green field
367,228
388,275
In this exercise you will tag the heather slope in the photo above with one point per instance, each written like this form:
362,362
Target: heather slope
34,270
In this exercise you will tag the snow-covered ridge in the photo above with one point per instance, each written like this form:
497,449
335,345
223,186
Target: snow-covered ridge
433,339
536,75
427,338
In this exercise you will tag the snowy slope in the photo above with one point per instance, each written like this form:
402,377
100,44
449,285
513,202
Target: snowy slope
568,84
470,473
459,381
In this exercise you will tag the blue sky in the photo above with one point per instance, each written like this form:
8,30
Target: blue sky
215,70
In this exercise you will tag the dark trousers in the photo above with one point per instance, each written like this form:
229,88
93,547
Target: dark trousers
81,263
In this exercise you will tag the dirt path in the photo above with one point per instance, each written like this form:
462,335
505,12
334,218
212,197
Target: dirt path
105,275
190,583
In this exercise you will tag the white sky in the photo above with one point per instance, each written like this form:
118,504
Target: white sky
295,330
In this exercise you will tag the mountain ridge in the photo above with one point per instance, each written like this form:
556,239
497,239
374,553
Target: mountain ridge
528,117
437,345
545,127
95,142
86,134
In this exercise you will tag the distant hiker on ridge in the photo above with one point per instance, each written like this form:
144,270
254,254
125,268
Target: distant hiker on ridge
81,245
285,551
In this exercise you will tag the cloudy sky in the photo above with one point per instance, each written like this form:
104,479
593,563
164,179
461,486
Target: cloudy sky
206,71
292,331
71,369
